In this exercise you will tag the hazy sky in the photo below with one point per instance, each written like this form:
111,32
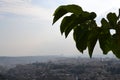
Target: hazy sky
26,26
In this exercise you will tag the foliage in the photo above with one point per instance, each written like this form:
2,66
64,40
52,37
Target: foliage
85,30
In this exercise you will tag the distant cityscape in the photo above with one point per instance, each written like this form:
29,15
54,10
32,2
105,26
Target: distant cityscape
59,68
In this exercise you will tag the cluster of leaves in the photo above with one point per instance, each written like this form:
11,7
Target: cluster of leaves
85,30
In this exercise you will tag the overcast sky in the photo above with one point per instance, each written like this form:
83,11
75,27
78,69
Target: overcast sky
26,26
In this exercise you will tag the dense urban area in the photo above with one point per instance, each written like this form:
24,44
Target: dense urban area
64,69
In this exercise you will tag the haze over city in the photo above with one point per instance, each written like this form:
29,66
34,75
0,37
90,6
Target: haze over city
26,26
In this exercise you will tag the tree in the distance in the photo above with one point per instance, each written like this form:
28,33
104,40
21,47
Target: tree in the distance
86,32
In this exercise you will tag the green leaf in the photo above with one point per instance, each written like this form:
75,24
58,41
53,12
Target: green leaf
116,51
65,23
62,10
105,24
87,16
105,36
81,37
92,39
112,18
116,45
68,23
105,41
72,25
74,9
92,15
